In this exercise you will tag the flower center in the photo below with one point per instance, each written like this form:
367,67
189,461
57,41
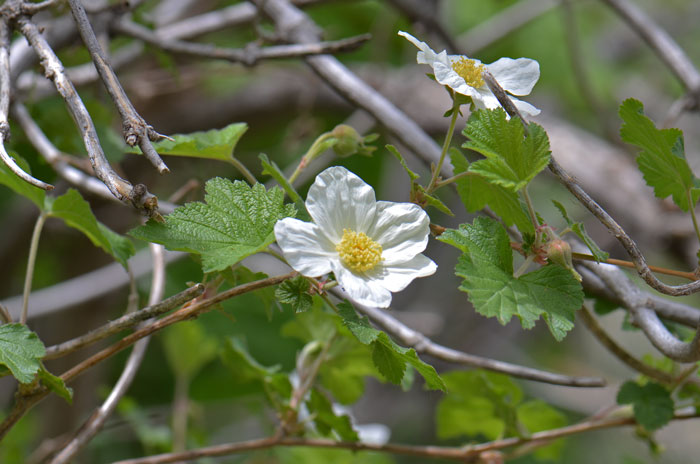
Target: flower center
358,252
469,71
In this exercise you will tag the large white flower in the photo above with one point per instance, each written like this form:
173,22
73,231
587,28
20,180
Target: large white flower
463,75
373,247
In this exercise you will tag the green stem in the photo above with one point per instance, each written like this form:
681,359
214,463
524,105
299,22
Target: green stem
445,146
692,214
243,170
523,267
33,247
314,150
452,179
530,208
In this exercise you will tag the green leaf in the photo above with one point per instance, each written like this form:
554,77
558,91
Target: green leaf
296,293
652,403
486,265
271,169
390,358
236,221
76,213
326,420
213,144
512,160
188,348
20,187
538,416
478,403
20,351
580,231
431,200
55,384
662,160
476,192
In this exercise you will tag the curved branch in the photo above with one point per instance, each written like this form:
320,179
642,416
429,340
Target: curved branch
636,302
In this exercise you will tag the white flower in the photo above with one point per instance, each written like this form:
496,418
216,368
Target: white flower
463,75
373,247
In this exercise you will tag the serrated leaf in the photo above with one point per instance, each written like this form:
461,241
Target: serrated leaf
651,402
662,159
580,231
213,144
20,187
55,384
512,160
236,221
20,351
478,403
76,213
476,192
271,169
326,420
486,265
295,292
389,357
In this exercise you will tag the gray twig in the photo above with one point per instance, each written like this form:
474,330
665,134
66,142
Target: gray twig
5,90
136,130
137,195
248,56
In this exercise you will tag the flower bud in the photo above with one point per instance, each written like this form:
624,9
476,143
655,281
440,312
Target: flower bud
559,252
348,142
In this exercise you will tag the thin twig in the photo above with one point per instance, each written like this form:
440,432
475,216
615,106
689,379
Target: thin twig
248,56
125,322
460,453
424,345
5,92
137,195
136,130
96,421
31,261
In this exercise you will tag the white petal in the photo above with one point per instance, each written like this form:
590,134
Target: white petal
515,76
397,277
305,247
361,289
401,229
445,75
337,200
426,55
525,107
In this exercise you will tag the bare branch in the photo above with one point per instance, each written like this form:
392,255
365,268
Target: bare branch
124,322
5,90
297,27
662,43
638,305
137,195
460,453
248,56
96,421
424,345
136,130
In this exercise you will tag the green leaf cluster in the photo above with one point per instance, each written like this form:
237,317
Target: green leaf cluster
73,210
389,358
482,403
662,159
235,221
486,265
512,159
652,404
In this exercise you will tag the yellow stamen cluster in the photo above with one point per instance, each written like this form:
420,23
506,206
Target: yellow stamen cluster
358,252
469,71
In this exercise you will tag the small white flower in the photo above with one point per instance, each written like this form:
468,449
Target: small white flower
463,75
373,247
